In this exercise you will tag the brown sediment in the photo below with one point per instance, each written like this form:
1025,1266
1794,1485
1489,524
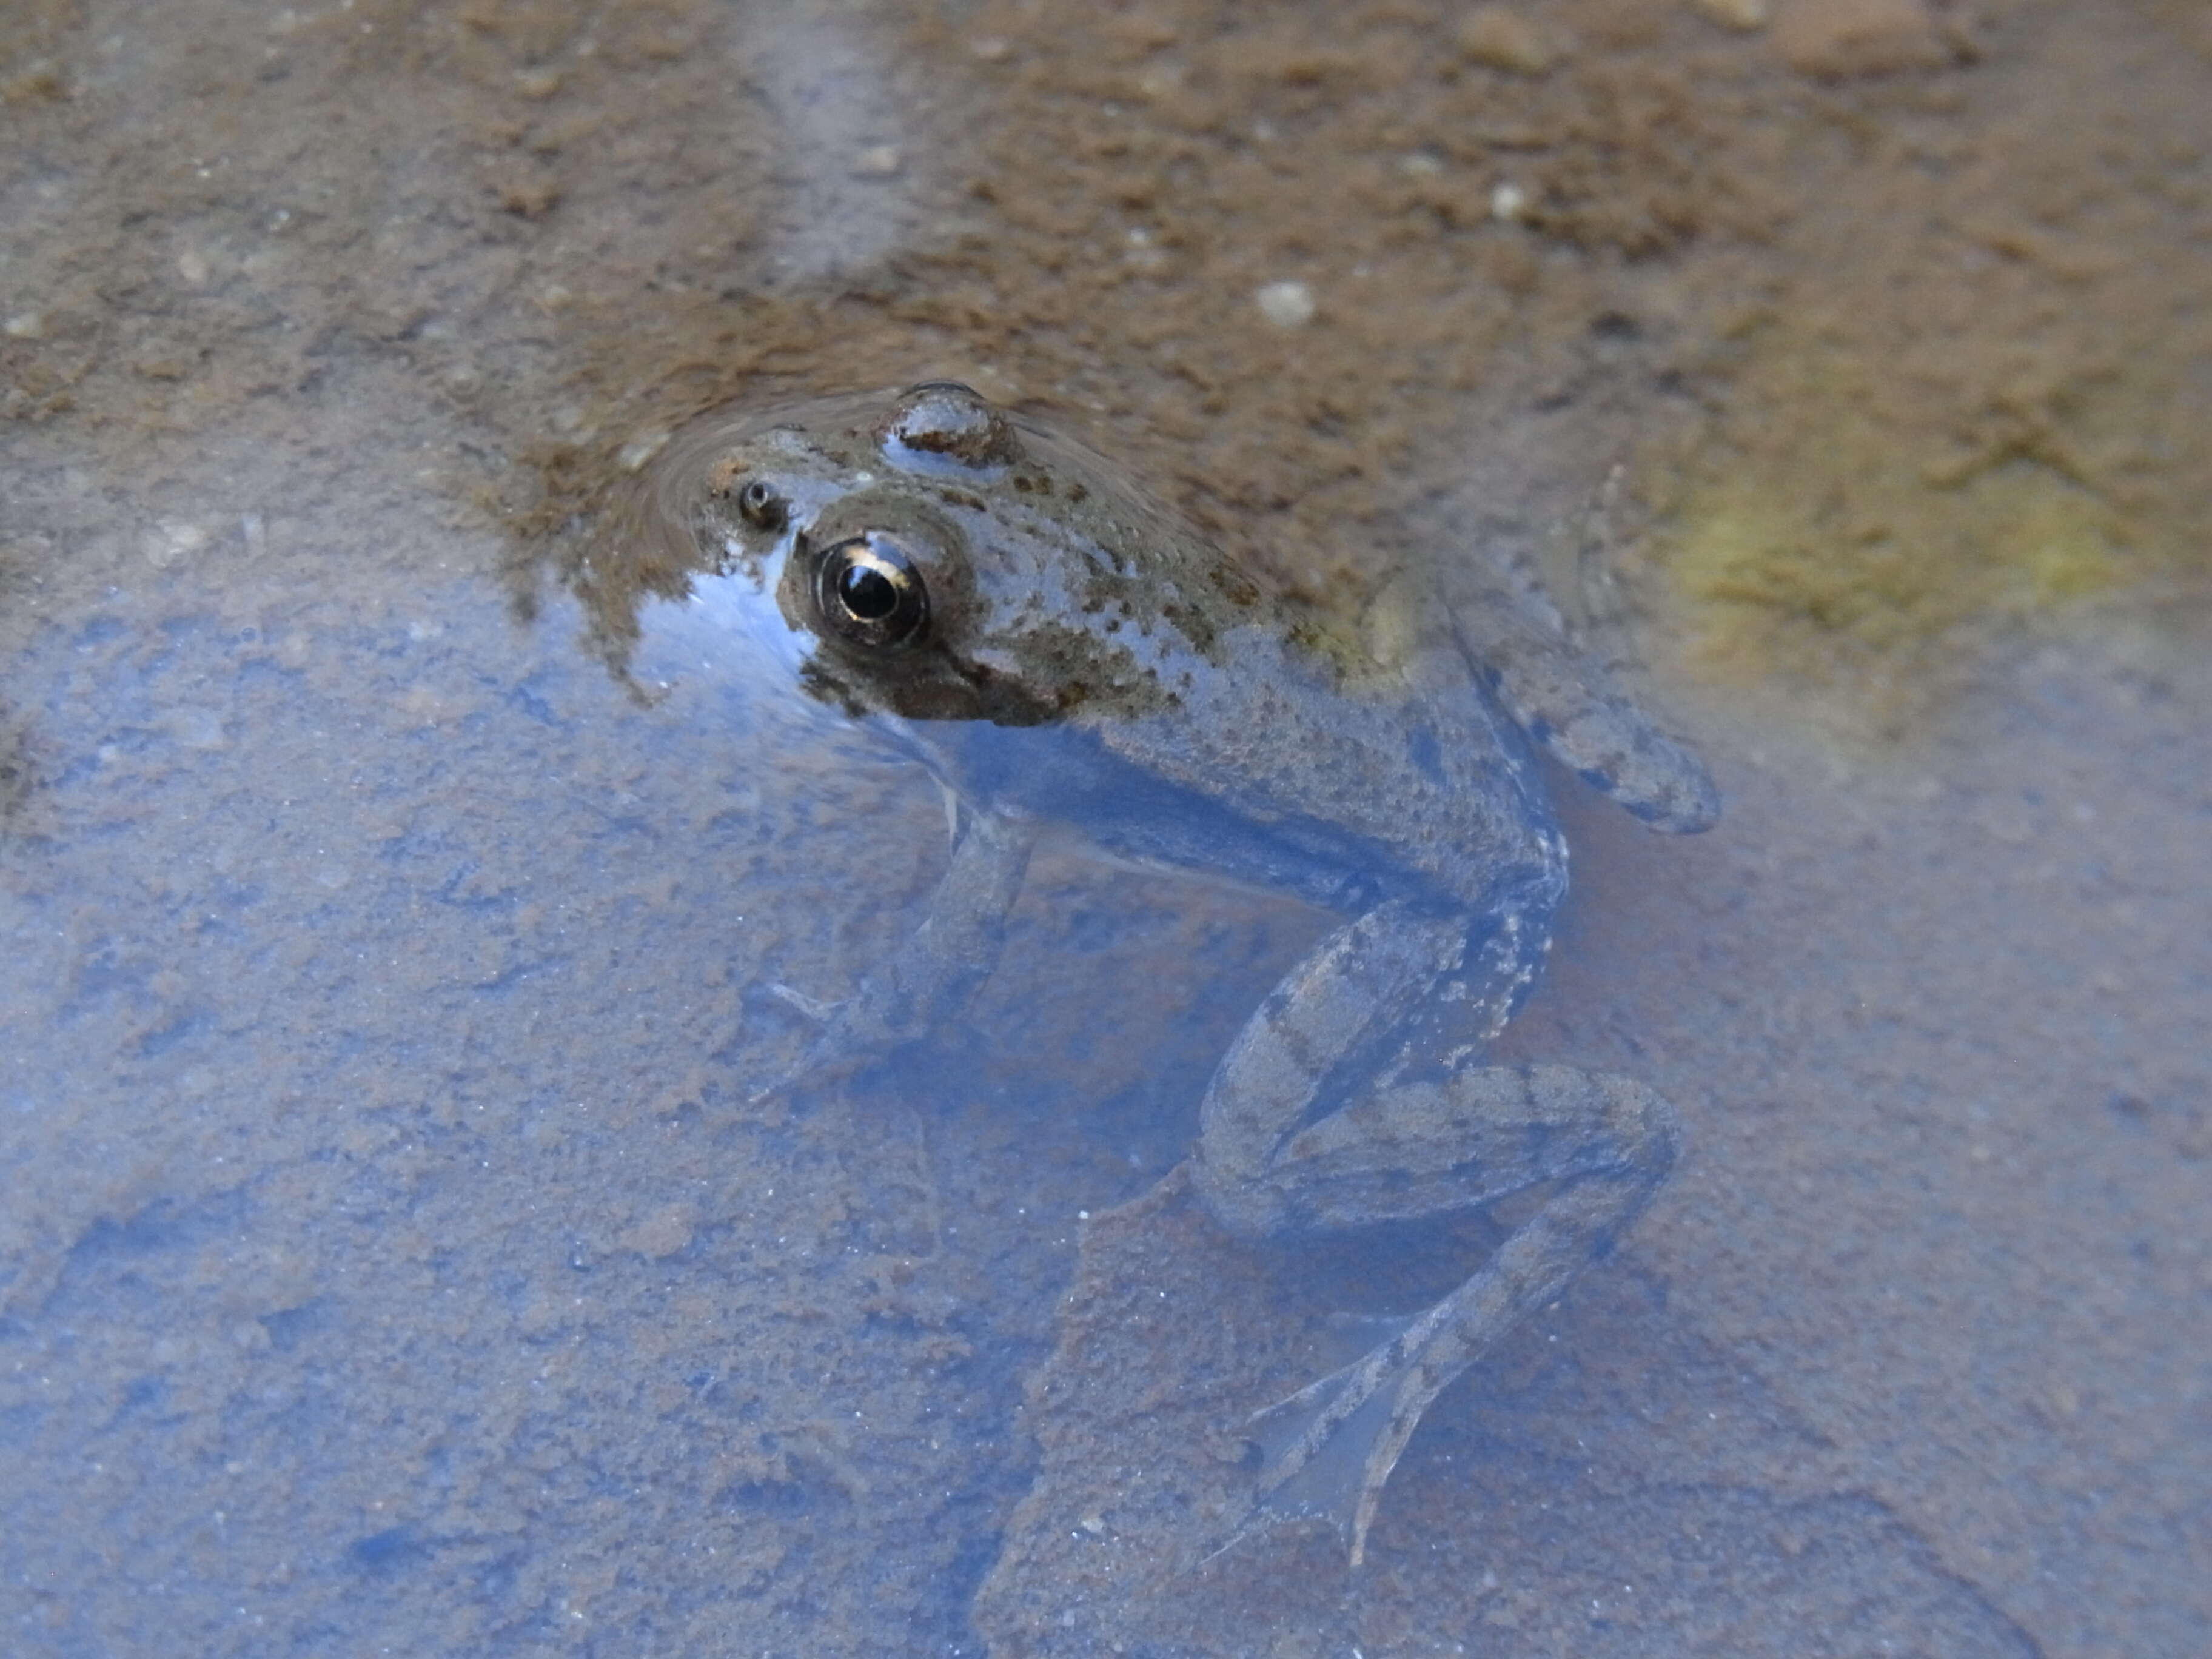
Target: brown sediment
1892,350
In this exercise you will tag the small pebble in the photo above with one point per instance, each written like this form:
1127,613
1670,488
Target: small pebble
1502,40
1506,202
527,191
1286,305
1832,40
877,161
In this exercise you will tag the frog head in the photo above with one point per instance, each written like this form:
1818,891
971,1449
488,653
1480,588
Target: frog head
933,559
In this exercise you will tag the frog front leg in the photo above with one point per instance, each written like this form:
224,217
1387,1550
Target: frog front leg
1331,1112
936,969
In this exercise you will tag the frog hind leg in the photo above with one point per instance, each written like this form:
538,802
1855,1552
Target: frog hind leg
1411,1145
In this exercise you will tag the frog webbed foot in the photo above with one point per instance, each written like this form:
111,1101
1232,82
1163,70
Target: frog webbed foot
1325,1450
1606,1144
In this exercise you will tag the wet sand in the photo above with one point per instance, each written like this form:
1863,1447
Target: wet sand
390,1254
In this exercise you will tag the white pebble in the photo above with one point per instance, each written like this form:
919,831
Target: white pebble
1286,305
1507,200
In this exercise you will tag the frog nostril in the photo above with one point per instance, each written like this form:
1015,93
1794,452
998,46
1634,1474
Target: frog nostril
759,505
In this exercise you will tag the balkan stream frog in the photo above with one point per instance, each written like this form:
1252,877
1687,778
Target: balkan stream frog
1004,606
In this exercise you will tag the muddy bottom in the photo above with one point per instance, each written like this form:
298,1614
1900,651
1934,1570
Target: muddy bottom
396,1249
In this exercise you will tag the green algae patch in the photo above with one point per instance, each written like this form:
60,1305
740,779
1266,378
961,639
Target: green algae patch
1856,525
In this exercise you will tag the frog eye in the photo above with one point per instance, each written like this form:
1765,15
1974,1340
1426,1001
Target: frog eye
869,592
946,422
759,505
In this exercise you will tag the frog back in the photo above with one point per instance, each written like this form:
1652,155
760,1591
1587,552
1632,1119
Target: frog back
1264,768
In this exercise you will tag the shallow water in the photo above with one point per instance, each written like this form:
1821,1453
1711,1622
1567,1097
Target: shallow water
393,1256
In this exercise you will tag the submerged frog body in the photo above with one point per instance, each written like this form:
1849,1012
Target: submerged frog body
1053,647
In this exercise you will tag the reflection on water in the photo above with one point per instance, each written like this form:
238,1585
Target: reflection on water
381,1235
392,1246
392,1255
390,1238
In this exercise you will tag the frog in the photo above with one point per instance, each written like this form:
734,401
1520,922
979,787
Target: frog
1005,606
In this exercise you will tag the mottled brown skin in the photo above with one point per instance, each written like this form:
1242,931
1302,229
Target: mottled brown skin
1001,604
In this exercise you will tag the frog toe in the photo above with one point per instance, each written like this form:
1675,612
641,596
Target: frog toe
814,1008
839,1046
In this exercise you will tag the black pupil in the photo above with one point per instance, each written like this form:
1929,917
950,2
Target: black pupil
869,595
